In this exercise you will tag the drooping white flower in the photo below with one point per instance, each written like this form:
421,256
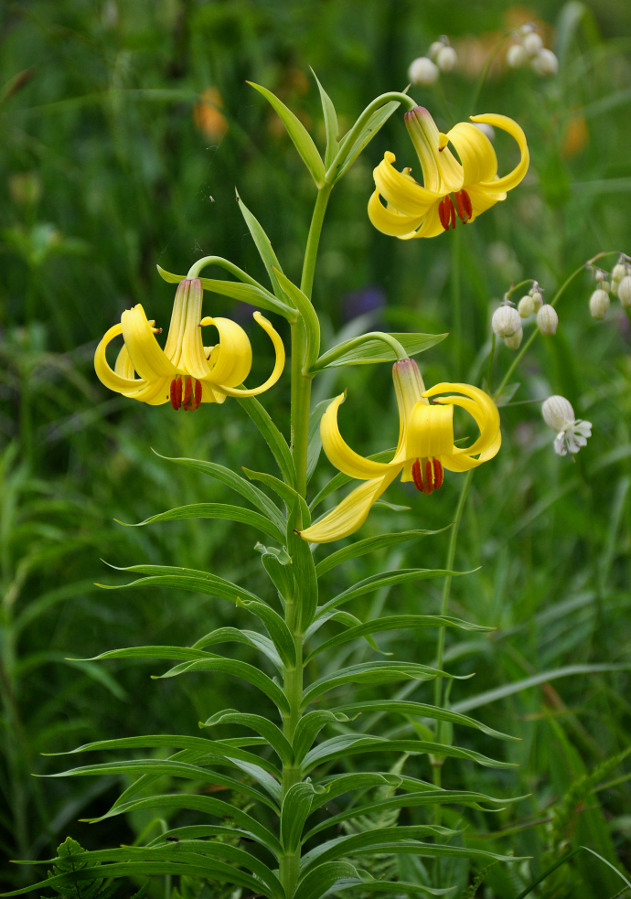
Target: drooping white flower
572,433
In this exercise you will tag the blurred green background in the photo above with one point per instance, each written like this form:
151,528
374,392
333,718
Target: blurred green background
126,127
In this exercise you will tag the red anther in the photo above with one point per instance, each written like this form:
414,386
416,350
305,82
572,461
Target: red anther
188,388
465,209
417,476
429,477
447,213
198,393
176,392
438,474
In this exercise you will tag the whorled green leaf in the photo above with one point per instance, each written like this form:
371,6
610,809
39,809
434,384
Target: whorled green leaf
240,485
352,744
396,840
369,545
416,709
387,579
272,436
331,125
238,635
290,497
299,135
314,445
207,805
471,798
263,726
279,572
334,785
218,861
235,668
155,768
374,672
310,726
327,878
188,579
294,812
218,511
276,628
369,350
355,629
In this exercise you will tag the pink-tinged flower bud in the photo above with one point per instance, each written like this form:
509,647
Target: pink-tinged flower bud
624,291
547,320
423,71
599,303
506,321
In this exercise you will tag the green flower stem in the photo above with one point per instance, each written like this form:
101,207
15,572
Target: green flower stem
497,393
439,693
293,675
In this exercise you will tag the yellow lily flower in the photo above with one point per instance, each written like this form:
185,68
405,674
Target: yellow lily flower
185,372
426,447
451,190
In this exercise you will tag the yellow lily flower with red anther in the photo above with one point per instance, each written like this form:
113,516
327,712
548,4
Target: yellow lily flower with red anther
451,189
185,372
426,447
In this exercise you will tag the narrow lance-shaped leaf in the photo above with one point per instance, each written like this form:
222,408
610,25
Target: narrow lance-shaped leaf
294,812
218,511
271,435
369,349
263,726
298,133
331,125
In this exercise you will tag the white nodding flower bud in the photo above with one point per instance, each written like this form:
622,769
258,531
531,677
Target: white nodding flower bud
599,303
572,433
533,43
557,411
526,306
423,71
446,59
624,291
547,320
545,63
434,48
605,285
514,340
506,321
619,271
537,299
516,56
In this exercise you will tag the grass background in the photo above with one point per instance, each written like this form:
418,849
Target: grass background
107,171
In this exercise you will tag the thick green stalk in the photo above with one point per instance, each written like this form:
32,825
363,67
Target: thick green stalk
444,607
293,675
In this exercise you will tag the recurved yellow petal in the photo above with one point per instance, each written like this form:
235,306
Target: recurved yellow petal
350,514
339,452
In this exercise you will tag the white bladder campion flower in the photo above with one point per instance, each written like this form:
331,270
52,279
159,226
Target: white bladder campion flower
572,433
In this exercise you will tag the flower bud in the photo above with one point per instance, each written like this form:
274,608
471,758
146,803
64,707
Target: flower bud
526,306
446,59
557,411
532,43
506,321
599,303
545,63
423,71
547,320
516,56
619,271
434,49
514,340
624,291
537,299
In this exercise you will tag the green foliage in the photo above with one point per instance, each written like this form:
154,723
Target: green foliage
383,782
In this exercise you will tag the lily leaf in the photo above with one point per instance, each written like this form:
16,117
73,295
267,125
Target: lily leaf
301,138
369,349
